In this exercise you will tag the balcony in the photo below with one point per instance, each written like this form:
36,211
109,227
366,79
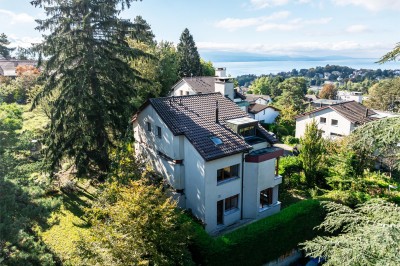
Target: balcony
264,154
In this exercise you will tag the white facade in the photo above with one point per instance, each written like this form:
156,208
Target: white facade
350,96
194,180
268,115
326,119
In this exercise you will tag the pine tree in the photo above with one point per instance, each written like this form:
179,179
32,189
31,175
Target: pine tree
4,50
188,56
88,75
141,31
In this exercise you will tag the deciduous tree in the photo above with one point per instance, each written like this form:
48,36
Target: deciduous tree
328,91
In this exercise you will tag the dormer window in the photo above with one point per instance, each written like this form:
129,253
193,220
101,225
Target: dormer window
247,131
216,140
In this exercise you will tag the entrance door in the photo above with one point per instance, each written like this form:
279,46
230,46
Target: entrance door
220,212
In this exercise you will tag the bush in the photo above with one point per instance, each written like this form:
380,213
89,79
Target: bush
290,140
261,241
290,168
345,197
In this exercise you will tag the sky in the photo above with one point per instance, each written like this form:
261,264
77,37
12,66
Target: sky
355,28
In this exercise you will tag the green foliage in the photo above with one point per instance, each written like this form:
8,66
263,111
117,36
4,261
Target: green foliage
261,85
392,55
141,31
290,140
207,68
188,56
10,122
328,91
87,69
367,235
4,50
261,241
136,224
293,91
385,95
311,150
24,204
349,198
290,167
379,140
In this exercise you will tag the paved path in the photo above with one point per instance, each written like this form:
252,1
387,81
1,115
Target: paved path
287,149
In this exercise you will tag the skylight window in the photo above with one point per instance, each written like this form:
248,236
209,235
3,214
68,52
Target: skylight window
216,140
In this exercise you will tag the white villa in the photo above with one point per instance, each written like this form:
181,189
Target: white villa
350,96
219,162
336,120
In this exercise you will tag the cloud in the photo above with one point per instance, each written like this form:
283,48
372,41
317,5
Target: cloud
358,29
373,5
15,18
350,48
259,4
24,42
232,24
292,25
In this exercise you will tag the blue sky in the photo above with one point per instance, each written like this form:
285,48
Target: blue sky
358,28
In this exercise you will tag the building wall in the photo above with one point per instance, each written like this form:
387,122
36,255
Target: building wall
182,88
148,145
267,115
343,128
220,191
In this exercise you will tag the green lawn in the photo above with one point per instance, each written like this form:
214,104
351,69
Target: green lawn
68,225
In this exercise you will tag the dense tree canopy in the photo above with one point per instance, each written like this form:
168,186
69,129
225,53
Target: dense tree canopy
368,235
328,91
87,65
385,95
4,49
293,91
188,56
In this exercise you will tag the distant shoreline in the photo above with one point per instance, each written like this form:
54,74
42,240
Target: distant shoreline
275,66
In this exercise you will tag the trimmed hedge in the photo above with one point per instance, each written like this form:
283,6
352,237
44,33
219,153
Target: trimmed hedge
262,241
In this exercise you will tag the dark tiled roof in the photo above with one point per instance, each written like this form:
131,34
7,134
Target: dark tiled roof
201,84
255,97
353,111
194,117
256,108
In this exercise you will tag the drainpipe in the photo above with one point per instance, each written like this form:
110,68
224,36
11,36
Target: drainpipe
241,198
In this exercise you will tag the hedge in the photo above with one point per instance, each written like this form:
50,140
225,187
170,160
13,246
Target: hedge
261,241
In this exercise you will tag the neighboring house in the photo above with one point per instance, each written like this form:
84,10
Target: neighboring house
336,120
219,162
202,85
8,66
324,102
263,113
350,96
260,99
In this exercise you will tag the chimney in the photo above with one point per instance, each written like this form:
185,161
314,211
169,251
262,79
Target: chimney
366,113
216,112
220,72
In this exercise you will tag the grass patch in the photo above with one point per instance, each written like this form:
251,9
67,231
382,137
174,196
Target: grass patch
262,241
68,225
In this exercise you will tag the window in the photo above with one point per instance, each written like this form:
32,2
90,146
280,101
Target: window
334,122
335,135
181,92
247,131
159,132
187,93
148,126
216,140
220,212
322,120
227,173
231,203
265,198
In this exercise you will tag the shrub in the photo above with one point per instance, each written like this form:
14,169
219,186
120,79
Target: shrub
261,241
290,168
290,140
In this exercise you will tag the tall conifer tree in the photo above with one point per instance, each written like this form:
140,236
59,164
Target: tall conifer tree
188,56
88,74
4,50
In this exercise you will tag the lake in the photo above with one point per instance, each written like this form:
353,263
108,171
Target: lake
267,67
